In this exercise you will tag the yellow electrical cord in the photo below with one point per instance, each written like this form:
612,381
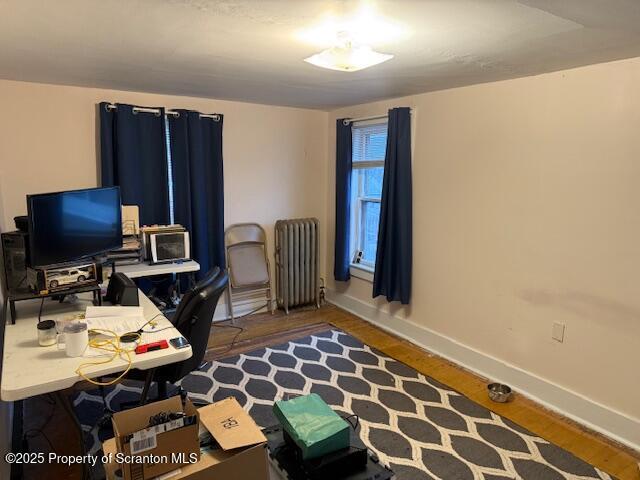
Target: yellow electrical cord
111,345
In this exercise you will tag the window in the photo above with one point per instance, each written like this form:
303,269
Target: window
167,139
369,147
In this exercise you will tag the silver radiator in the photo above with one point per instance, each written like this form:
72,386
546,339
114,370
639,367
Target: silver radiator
297,263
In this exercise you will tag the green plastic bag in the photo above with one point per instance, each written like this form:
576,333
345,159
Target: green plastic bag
315,428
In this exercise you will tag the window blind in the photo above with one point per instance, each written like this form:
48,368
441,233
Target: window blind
369,142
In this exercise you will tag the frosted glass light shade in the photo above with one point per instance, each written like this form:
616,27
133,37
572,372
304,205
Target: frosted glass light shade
348,58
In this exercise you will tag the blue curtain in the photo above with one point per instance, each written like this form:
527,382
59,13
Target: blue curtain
196,158
392,277
133,156
343,200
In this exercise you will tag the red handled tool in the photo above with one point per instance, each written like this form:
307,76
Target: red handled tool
150,347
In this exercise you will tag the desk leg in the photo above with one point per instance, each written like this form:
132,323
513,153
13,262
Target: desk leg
5,305
97,297
12,307
147,384
190,282
178,280
16,437
66,404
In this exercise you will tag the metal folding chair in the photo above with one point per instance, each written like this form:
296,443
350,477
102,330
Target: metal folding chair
247,264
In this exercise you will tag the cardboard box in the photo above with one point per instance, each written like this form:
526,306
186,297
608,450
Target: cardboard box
130,220
242,453
156,450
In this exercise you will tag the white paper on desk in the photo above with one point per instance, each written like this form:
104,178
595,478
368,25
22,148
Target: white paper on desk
116,319
114,311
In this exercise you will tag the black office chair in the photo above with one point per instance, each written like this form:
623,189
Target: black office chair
193,320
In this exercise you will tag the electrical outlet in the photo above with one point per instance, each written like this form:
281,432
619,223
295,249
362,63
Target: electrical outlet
557,333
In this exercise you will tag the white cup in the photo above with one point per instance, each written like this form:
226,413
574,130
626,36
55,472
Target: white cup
76,338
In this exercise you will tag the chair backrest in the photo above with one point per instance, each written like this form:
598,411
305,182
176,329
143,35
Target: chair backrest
193,320
246,251
244,233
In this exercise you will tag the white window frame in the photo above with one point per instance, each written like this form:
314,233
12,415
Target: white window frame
357,213
362,269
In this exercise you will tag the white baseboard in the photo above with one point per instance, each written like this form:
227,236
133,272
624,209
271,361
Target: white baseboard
615,425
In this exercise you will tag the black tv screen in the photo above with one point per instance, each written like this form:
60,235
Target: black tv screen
73,225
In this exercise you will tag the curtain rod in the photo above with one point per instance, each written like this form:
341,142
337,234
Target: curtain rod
214,116
347,121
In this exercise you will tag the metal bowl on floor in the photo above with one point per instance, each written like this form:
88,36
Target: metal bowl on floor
499,392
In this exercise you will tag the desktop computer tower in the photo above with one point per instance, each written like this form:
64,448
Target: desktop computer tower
14,250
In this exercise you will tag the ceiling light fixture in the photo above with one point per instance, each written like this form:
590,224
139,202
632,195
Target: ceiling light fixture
349,39
347,56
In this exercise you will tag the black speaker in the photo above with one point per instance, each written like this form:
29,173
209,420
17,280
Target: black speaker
122,291
14,248
22,223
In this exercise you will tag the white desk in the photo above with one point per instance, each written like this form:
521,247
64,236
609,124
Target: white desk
146,270
29,369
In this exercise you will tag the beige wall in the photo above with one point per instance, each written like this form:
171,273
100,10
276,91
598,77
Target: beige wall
526,205
274,157
527,212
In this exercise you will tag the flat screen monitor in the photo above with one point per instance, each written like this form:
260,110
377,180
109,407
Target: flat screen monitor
73,225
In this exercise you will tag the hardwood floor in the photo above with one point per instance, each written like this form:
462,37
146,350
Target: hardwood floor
617,460
266,329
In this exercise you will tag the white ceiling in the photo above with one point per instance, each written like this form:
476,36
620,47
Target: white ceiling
249,50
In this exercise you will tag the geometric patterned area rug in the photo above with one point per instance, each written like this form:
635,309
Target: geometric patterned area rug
416,426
